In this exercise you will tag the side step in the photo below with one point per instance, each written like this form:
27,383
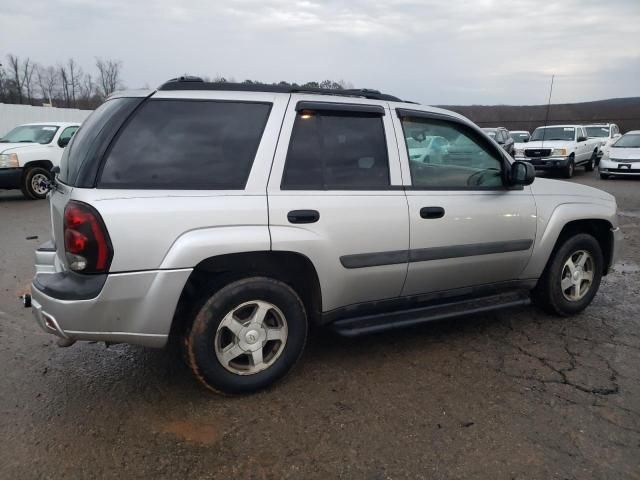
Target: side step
352,327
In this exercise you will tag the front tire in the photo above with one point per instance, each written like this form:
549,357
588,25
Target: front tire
604,176
247,335
34,183
572,277
567,172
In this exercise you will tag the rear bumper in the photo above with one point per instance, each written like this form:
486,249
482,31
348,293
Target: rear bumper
10,178
135,307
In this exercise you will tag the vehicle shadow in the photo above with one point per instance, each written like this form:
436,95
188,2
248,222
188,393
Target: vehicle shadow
12,196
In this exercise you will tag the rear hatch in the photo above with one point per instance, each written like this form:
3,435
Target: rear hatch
81,159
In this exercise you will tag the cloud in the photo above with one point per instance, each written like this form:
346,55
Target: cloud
433,51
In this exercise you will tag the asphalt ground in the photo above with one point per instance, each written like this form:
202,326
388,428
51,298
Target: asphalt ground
514,394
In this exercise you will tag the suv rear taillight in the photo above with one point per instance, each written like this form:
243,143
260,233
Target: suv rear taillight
86,241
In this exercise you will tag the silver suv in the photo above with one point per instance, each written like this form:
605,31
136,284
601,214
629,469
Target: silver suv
233,217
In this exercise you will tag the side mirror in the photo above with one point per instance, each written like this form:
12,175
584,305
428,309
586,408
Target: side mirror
522,173
581,139
525,140
63,142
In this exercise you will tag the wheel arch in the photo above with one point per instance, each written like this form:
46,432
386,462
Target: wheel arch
46,164
212,273
567,220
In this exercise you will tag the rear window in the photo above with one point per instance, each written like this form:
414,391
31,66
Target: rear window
186,144
90,141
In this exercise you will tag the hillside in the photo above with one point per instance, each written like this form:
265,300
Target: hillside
623,111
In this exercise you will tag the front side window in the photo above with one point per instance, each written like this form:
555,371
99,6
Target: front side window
336,151
66,135
464,161
185,144
42,134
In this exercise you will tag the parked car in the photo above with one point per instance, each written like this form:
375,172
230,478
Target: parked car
623,157
560,148
502,137
604,133
231,217
28,152
520,136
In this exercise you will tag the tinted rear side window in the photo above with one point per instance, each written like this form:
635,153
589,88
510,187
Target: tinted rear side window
184,144
336,151
79,162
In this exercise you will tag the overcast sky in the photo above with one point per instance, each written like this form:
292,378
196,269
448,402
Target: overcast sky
434,51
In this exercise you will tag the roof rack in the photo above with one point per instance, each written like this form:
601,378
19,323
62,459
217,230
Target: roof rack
196,83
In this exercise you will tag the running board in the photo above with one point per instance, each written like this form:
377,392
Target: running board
352,327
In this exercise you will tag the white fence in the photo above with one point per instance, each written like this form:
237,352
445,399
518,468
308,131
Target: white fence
12,115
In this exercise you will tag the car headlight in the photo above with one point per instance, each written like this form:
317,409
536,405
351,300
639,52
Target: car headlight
519,152
559,152
9,160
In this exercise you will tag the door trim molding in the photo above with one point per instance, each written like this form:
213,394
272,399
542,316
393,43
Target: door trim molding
394,257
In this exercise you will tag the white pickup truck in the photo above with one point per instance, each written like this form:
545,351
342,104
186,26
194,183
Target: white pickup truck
29,152
561,148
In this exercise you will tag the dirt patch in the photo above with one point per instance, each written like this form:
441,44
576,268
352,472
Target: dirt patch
192,432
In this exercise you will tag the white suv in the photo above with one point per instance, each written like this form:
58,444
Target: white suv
231,217
29,152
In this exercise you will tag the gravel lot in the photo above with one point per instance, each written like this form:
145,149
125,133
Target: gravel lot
516,394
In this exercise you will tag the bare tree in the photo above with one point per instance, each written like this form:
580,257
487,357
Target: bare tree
87,90
47,78
15,72
28,69
4,87
109,79
65,84
74,77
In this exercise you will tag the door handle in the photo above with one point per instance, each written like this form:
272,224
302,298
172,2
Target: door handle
303,216
432,212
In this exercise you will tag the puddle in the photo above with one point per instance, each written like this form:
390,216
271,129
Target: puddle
633,214
626,267
192,432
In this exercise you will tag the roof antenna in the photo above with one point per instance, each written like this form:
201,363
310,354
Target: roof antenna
546,118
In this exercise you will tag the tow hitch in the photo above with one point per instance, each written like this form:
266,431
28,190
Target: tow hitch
26,300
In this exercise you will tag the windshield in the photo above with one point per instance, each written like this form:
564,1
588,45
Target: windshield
490,132
628,141
519,137
554,133
30,134
597,131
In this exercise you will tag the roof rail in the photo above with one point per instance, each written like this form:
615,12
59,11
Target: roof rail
196,83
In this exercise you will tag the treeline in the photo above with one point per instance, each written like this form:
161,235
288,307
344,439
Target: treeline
67,85
625,112
64,85
325,84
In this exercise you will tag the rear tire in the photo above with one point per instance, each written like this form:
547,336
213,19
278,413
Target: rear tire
572,276
592,162
34,183
247,335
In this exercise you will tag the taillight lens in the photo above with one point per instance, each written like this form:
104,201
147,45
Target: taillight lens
86,240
